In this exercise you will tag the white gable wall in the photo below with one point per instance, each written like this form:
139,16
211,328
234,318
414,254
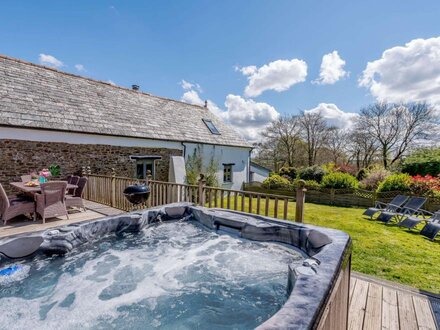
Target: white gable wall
224,155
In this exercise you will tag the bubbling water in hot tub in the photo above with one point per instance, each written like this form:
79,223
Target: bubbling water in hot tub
173,275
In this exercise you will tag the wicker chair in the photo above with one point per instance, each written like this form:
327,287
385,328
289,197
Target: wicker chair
72,180
76,200
51,201
12,206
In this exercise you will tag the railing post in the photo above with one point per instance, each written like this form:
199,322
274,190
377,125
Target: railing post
86,190
113,188
202,184
148,183
300,200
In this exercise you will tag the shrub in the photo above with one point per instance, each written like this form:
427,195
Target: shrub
423,162
329,167
347,168
289,172
314,173
425,185
395,182
275,181
312,184
361,174
338,180
309,184
194,167
373,179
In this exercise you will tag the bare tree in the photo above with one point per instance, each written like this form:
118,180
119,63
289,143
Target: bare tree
282,137
361,148
336,143
395,127
314,132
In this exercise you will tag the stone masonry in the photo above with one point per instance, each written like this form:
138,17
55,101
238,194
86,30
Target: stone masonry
19,157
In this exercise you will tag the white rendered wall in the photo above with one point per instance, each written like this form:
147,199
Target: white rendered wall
224,155
258,174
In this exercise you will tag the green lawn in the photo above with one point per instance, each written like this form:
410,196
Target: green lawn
385,251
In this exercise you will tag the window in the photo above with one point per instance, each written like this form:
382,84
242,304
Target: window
144,167
227,172
211,126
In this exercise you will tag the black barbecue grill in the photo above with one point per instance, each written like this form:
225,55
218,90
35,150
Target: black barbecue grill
137,193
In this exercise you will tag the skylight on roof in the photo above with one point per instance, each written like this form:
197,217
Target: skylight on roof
211,126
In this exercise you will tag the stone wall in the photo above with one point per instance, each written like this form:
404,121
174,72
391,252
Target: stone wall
19,157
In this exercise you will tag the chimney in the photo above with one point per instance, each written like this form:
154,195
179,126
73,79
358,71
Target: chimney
135,87
206,103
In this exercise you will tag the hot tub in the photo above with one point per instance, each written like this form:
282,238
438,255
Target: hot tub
178,267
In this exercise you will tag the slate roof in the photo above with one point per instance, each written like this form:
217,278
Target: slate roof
36,96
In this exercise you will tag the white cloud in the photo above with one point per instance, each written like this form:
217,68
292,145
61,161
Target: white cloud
111,82
188,86
50,60
193,97
334,116
248,117
406,73
279,76
332,69
80,68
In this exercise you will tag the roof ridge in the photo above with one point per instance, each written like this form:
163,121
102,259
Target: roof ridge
95,80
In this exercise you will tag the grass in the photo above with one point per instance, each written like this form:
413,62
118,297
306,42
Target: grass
385,251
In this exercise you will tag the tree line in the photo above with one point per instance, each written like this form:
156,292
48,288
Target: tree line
382,133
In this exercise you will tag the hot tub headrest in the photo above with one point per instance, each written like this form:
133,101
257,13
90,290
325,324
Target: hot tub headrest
316,240
21,247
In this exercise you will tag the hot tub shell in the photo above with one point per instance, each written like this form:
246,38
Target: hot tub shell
319,288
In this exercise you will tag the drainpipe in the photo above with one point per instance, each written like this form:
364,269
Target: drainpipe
249,166
184,149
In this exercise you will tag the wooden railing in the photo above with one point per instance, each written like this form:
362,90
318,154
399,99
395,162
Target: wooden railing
345,197
108,190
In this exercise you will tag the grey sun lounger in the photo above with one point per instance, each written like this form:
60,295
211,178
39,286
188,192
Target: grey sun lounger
411,208
392,206
412,221
431,229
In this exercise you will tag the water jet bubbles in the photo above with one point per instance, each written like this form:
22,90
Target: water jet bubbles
172,275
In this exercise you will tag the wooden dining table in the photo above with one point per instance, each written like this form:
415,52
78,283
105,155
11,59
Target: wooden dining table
33,190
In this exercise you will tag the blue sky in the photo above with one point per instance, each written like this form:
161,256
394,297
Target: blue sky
156,44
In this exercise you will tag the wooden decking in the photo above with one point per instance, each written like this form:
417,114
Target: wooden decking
25,225
376,304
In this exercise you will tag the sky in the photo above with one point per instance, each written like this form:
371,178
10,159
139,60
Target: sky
252,60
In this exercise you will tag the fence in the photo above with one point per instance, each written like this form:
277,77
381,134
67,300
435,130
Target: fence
346,197
108,190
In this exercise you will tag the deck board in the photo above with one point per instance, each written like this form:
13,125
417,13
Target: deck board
357,305
376,304
390,312
407,314
373,311
423,313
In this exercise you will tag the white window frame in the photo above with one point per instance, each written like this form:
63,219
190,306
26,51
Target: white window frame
231,173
